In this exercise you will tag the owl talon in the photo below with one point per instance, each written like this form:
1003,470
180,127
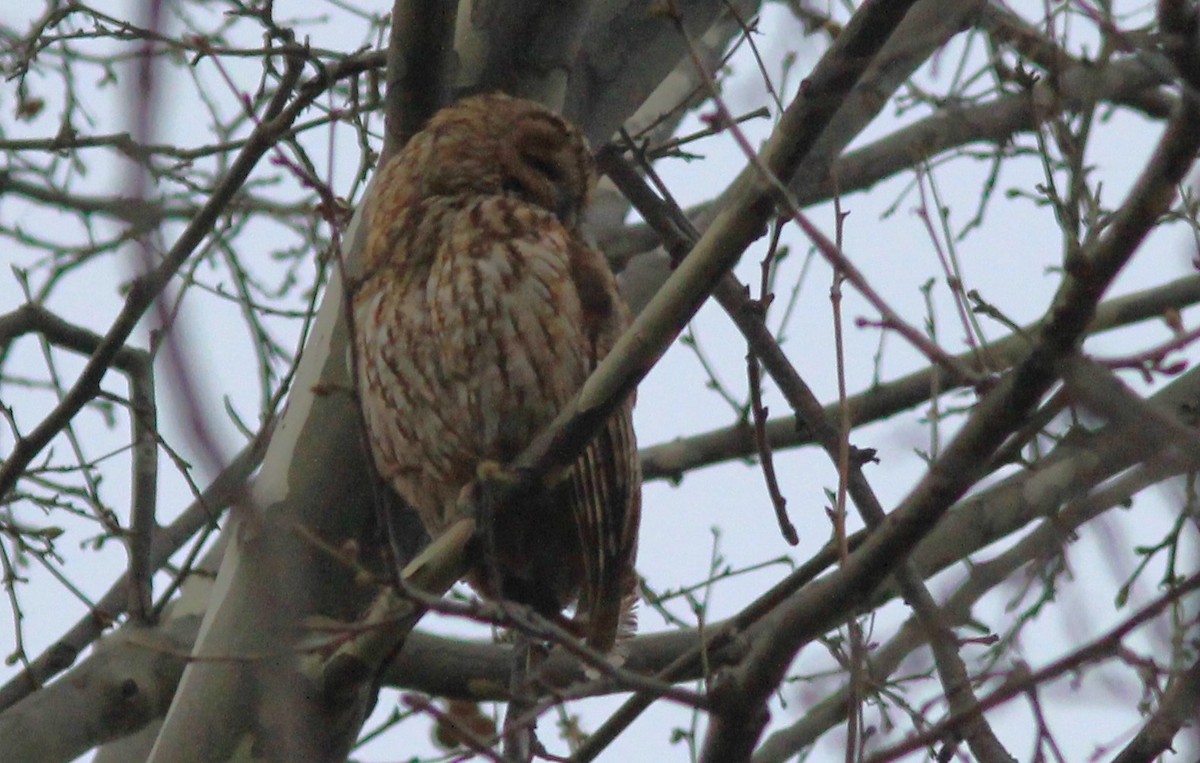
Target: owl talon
496,473
491,477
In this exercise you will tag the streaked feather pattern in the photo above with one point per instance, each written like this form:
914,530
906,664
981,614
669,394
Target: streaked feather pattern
479,315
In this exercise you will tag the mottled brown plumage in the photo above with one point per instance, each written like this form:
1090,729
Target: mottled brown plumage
480,313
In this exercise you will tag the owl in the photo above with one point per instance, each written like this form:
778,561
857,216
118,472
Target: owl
479,313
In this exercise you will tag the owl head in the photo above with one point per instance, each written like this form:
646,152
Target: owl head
497,144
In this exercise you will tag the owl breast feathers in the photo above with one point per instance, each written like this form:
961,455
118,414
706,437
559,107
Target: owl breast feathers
480,313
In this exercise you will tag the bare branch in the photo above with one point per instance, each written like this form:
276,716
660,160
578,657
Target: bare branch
227,487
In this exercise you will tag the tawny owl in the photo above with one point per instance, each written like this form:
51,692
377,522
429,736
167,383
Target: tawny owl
480,313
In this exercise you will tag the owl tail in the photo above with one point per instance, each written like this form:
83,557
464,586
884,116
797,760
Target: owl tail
610,620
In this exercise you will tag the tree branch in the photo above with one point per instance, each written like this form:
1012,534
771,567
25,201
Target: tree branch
733,733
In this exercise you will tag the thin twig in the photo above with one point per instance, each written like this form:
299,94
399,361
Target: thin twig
145,289
1105,647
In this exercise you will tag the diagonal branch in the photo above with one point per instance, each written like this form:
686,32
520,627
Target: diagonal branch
138,367
671,460
167,540
146,288
734,732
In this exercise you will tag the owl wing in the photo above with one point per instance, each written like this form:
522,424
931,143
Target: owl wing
606,480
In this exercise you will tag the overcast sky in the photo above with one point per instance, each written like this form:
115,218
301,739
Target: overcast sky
884,236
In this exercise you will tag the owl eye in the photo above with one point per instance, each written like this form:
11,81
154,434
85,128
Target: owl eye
512,184
553,172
